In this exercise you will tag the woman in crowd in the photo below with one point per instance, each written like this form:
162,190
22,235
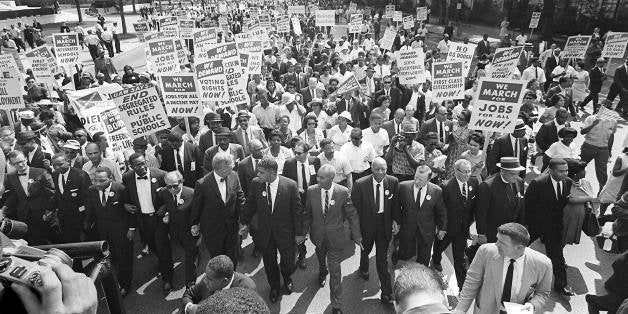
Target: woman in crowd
277,150
273,94
580,83
581,195
311,134
323,120
475,155
284,131
130,77
610,191
562,148
383,109
556,102
341,132
458,141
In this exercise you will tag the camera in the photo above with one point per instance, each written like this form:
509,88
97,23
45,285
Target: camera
24,272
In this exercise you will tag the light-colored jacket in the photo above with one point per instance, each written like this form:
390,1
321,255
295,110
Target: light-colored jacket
484,281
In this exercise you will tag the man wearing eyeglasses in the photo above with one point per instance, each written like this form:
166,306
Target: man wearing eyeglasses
359,153
176,209
439,125
394,93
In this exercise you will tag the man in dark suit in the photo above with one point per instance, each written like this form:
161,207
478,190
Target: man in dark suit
35,156
247,170
326,208
423,216
620,87
29,194
509,145
484,47
182,157
208,139
218,204
275,199
393,126
551,62
177,202
548,133
371,84
395,94
223,138
563,89
72,150
439,125
71,186
105,210
219,274
311,91
459,196
545,199
376,198
302,169
499,200
245,133
596,77
142,186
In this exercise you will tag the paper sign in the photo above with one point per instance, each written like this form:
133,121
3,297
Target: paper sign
390,11
296,26
180,96
163,56
461,52
576,47
182,52
211,80
411,66
496,105
236,82
349,85
140,30
203,39
534,21
10,91
615,45
141,110
355,24
264,21
186,28
387,40
408,22
325,17
169,26
117,135
296,9
421,14
339,31
504,62
398,16
448,80
283,24
67,49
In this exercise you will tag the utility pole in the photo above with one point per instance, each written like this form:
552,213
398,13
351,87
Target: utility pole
121,5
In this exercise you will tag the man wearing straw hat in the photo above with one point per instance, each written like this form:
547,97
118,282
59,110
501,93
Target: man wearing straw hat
509,145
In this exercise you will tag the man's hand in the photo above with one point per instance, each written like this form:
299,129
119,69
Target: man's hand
194,230
63,291
244,231
191,309
441,234
358,242
395,227
299,239
528,307
482,239
130,234
46,163
130,208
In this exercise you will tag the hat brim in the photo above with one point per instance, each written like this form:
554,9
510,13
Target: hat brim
520,168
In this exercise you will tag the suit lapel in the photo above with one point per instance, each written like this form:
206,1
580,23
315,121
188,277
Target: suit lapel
456,186
214,186
427,192
498,275
527,280
317,207
369,189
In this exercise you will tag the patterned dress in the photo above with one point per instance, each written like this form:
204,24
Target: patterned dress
458,143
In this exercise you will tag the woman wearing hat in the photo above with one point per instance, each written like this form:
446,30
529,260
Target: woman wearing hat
341,132
562,148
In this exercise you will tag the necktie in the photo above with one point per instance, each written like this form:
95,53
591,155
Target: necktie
313,93
326,204
398,128
508,282
255,165
178,161
246,140
22,174
303,178
516,150
269,197
377,198
103,198
143,178
441,132
464,192
558,190
418,197
62,183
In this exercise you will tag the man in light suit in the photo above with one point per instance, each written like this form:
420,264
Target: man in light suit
246,133
219,275
275,199
506,271
176,209
218,203
312,91
376,197
223,137
423,216
326,208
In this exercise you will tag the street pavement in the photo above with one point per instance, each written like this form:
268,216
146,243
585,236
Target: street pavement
588,265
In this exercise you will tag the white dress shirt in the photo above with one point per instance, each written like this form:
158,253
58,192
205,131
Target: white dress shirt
331,194
378,140
517,275
461,185
24,181
144,194
359,156
222,187
63,178
381,194
106,192
273,192
516,149
557,190
422,195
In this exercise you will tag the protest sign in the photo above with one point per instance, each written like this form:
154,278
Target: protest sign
223,22
186,28
262,34
615,45
534,21
67,49
421,14
325,17
576,47
355,24
264,21
608,114
411,66
236,82
461,52
296,26
339,31
117,135
141,110
347,86
387,40
10,91
448,80
504,62
141,27
496,105
180,96
390,11
164,57
408,22
296,9
222,51
44,53
283,24
203,39
182,52
398,16
9,68
44,66
169,25
353,7
89,103
208,23
210,76
153,35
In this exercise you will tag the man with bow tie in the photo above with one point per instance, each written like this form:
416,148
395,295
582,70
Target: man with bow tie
459,198
218,204
29,194
142,186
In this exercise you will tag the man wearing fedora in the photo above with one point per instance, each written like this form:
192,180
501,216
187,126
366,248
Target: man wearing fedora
372,84
245,133
33,152
223,144
545,200
213,121
290,107
509,145
72,150
499,199
26,118
405,153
